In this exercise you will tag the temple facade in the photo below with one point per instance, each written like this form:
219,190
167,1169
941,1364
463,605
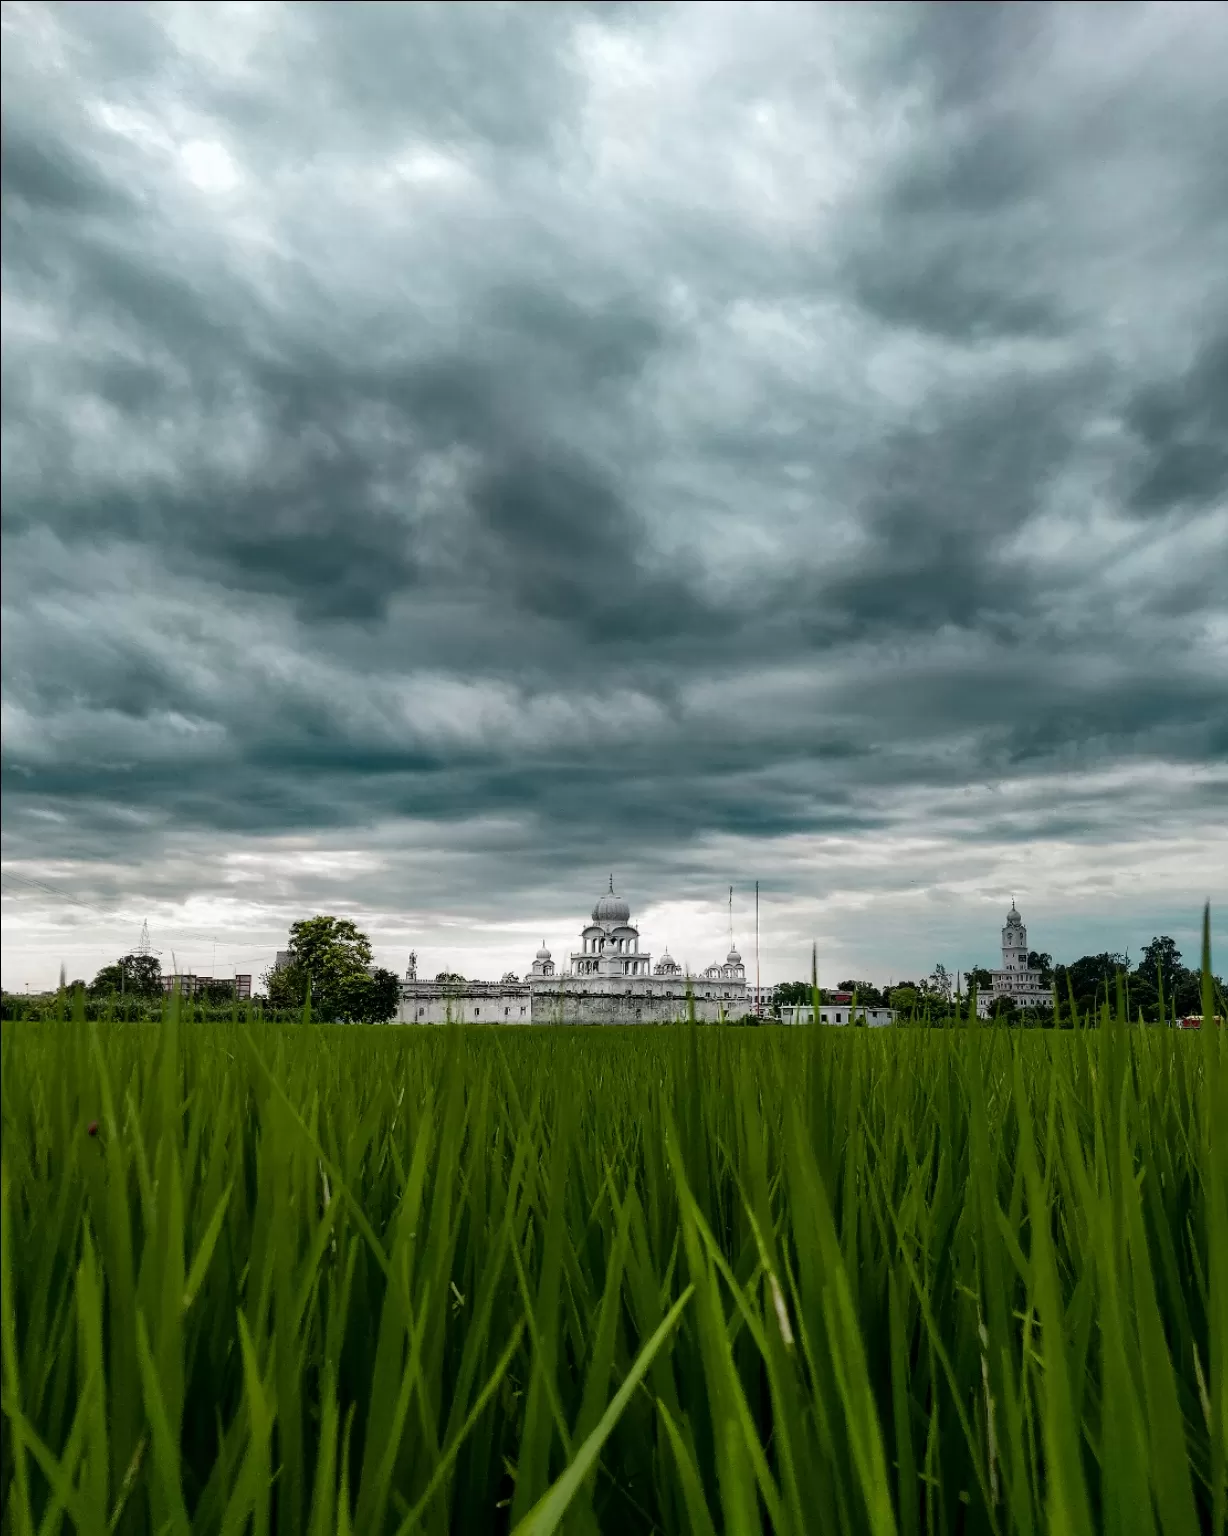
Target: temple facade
608,979
1015,979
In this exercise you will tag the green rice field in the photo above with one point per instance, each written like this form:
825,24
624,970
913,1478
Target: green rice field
283,1278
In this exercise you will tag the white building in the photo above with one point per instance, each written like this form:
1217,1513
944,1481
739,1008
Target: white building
1016,979
760,998
609,979
841,1014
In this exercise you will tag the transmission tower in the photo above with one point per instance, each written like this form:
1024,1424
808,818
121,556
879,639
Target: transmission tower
143,948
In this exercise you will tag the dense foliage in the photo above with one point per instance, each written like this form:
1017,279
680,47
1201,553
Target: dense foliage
48,1007
134,975
330,969
1160,985
679,1280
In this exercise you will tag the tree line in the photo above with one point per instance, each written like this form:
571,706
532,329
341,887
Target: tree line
329,978
1159,987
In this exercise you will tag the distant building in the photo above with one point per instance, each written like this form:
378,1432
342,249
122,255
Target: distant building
838,1011
608,980
759,999
192,986
1016,980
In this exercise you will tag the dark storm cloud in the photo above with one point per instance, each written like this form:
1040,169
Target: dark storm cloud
637,424
52,177
1181,426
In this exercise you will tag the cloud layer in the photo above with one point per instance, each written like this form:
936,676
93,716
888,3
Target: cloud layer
479,446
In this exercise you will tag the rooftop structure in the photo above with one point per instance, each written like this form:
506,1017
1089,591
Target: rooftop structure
608,979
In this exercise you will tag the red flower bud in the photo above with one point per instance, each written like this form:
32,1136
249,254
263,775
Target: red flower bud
92,1128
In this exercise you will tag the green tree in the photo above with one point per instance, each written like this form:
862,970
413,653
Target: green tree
131,975
867,993
1087,979
904,999
1161,970
215,990
1161,955
370,997
791,994
286,986
1041,960
1187,991
329,955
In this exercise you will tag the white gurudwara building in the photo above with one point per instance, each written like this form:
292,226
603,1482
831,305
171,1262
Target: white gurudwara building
609,979
1015,980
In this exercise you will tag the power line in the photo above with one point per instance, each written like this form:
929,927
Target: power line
60,895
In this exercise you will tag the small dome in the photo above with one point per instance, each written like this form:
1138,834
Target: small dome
733,958
543,953
611,911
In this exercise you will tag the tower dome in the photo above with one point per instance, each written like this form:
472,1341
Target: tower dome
542,965
733,958
611,911
667,965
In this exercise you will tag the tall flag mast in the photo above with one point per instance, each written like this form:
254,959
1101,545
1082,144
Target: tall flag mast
758,990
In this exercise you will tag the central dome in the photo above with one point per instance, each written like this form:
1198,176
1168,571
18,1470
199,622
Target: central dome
611,911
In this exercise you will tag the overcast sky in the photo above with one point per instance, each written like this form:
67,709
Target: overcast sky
453,452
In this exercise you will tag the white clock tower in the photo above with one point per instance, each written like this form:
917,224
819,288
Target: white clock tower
1016,979
1014,942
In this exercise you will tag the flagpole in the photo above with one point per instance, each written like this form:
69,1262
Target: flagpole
758,992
